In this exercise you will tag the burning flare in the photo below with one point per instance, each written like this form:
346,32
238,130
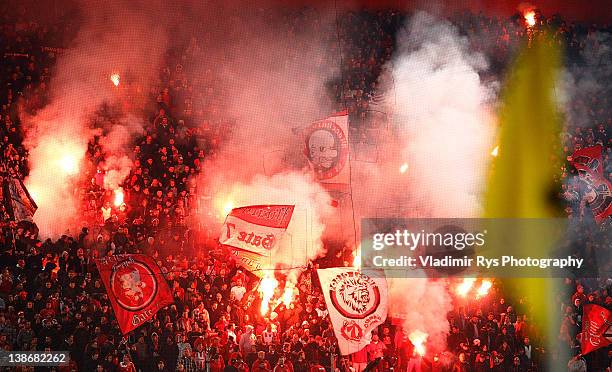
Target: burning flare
483,290
115,79
464,288
69,164
266,287
227,207
530,18
403,168
495,151
118,197
418,339
288,295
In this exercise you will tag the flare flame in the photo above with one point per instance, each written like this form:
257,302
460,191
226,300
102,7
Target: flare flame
266,288
418,339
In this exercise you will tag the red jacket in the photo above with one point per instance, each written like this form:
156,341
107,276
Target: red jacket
261,366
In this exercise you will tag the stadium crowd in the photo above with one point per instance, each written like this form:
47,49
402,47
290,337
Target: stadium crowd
52,298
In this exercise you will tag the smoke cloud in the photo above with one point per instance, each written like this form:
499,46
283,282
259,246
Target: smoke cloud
116,143
269,79
422,305
435,164
443,127
114,37
582,92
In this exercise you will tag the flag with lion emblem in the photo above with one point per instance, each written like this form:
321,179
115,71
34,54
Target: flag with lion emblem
136,288
357,304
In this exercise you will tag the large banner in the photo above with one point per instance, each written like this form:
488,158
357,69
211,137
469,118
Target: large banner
589,163
326,146
596,322
136,288
253,232
357,303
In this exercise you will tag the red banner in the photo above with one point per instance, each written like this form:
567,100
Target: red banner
588,161
595,328
136,288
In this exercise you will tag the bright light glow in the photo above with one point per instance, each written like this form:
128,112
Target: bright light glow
403,168
227,207
266,288
288,295
118,197
69,164
115,79
530,18
357,261
418,339
495,151
464,288
34,194
483,290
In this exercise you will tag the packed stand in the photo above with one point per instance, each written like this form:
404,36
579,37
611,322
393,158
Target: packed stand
52,298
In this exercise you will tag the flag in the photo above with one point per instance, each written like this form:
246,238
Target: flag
17,200
589,163
357,304
523,174
136,288
253,232
588,159
326,147
596,324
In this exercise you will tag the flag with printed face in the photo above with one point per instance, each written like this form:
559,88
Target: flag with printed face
326,147
136,288
589,163
596,322
253,232
357,304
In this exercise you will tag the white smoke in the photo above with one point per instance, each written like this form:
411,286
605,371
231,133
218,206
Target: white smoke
423,305
583,93
435,164
269,79
442,125
116,144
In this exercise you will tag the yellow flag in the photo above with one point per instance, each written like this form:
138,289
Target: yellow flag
525,171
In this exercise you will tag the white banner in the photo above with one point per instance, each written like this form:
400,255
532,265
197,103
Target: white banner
357,304
254,231
249,236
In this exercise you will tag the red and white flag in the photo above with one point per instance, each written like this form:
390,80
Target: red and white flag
588,159
254,231
357,303
326,146
596,322
589,163
136,288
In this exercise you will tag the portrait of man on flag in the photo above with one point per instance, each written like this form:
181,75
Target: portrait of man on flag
136,288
